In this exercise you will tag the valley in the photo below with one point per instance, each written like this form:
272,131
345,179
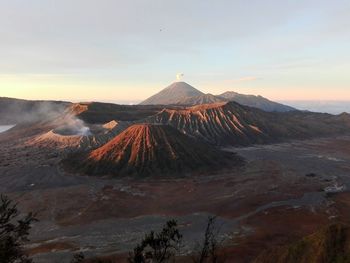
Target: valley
101,175
103,216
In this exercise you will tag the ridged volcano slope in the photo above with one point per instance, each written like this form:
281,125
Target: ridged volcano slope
145,149
233,124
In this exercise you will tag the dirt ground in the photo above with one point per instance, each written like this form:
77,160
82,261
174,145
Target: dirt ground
276,198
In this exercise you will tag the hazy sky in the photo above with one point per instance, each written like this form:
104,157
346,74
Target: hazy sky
128,50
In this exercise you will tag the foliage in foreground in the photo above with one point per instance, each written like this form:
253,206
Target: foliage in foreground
208,250
158,247
329,245
14,232
155,247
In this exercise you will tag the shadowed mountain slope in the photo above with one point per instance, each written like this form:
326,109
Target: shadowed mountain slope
256,102
145,149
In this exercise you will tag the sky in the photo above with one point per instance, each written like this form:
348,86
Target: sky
125,51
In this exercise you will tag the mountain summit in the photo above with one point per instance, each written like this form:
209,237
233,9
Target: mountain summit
173,94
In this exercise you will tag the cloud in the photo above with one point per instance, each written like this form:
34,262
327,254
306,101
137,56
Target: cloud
115,34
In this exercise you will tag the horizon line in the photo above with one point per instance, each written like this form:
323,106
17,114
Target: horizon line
116,101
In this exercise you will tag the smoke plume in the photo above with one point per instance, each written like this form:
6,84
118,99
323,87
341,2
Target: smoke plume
13,111
179,76
72,125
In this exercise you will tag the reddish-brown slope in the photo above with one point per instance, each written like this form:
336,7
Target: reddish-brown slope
233,124
146,149
216,123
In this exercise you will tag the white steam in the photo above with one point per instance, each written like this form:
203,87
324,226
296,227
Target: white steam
179,76
71,125
57,114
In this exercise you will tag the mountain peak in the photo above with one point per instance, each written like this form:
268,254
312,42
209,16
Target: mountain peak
172,94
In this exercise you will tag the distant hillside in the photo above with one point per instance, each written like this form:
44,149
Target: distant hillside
233,124
256,102
173,94
146,149
329,245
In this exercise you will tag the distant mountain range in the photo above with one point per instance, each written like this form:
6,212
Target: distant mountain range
181,93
